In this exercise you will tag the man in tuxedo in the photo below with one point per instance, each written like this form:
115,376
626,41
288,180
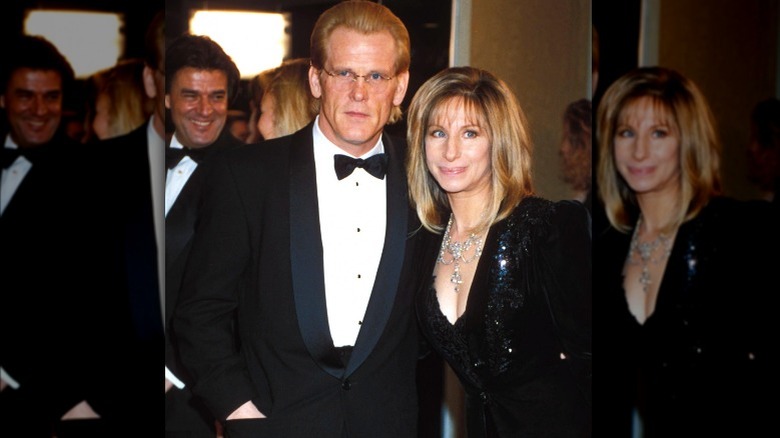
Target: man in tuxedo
305,260
200,80
137,234
50,253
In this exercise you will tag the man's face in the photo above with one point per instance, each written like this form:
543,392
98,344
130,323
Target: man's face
198,100
33,102
353,115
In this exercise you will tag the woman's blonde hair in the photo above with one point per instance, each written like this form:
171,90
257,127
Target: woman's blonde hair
295,105
679,99
490,103
122,84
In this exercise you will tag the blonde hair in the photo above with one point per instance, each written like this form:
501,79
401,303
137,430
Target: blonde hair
679,99
490,102
295,105
122,84
367,18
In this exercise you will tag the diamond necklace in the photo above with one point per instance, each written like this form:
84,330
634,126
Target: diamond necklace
457,251
645,250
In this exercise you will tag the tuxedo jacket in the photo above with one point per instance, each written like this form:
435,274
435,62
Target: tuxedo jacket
255,269
182,413
52,280
137,320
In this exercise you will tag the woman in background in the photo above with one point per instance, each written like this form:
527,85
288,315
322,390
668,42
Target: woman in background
507,302
681,275
576,152
287,104
119,103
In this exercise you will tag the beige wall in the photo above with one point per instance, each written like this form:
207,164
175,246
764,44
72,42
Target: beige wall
541,49
730,50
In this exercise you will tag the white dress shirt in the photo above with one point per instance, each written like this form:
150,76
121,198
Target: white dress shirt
156,150
353,217
177,177
12,176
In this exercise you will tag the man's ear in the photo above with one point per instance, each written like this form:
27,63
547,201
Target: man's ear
148,75
314,82
400,89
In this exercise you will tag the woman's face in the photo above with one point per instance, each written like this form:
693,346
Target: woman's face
265,124
100,122
647,148
457,151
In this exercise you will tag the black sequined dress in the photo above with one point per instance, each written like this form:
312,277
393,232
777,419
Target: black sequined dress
522,349
705,362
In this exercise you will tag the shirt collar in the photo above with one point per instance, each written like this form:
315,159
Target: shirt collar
10,143
175,144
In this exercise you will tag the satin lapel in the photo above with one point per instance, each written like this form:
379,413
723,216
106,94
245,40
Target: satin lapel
180,221
306,256
380,306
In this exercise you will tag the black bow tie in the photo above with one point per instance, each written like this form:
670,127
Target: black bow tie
10,155
376,165
174,155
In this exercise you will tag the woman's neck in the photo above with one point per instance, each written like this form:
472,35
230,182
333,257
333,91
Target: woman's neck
658,211
468,215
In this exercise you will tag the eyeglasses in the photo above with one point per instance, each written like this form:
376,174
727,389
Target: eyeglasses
344,79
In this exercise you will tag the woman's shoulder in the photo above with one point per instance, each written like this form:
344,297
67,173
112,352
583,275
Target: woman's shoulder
542,217
730,212
537,210
535,206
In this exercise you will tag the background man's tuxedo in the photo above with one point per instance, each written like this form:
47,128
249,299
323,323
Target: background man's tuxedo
258,254
58,335
182,412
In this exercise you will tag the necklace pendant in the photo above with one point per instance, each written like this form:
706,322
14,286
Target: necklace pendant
644,279
456,278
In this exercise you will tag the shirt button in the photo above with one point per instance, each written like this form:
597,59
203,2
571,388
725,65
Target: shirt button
346,385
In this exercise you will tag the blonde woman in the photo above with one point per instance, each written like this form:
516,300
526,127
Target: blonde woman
505,292
679,277
287,104
120,104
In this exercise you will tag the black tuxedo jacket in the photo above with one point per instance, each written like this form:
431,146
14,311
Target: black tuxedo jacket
255,268
137,317
181,412
53,277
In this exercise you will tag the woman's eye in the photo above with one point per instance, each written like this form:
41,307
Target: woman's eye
659,133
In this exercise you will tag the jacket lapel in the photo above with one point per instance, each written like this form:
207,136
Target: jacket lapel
180,221
306,255
380,305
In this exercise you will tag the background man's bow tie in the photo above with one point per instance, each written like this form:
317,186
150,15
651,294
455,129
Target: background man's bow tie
9,155
174,155
376,165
